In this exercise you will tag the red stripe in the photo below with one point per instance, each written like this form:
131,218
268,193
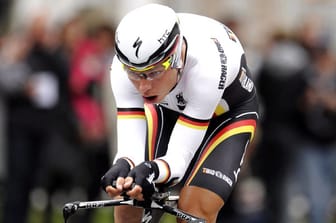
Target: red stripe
194,122
249,122
228,128
131,113
154,128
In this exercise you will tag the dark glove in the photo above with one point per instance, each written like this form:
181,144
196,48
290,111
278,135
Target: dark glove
120,169
144,175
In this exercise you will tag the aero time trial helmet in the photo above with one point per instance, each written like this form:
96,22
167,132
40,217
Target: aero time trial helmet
147,35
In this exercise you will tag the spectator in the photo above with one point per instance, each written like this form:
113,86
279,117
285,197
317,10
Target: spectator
33,76
279,87
316,171
90,55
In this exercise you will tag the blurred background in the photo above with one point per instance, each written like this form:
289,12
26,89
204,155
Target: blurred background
57,113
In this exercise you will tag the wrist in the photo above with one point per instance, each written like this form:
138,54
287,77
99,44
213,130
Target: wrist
129,162
153,165
163,171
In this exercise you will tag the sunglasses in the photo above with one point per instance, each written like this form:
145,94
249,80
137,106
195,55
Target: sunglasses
137,75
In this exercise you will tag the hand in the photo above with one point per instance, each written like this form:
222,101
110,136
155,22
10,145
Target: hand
143,177
117,174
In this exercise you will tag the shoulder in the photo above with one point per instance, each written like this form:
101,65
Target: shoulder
123,90
117,72
208,37
212,49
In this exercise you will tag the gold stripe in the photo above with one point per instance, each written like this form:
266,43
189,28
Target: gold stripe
201,127
219,110
238,130
150,130
131,117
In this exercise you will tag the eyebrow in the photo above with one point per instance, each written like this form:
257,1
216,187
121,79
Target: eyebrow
156,71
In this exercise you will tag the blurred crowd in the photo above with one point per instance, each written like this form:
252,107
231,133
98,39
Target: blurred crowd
53,83
291,172
58,111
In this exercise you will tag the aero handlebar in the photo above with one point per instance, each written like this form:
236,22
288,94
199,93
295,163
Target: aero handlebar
161,201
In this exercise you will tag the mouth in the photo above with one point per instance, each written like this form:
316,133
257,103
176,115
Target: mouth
150,99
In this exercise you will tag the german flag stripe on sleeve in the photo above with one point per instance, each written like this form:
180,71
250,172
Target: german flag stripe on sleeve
152,122
164,171
193,123
137,113
244,126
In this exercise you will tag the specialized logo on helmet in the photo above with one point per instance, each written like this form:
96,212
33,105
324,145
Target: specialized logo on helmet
137,45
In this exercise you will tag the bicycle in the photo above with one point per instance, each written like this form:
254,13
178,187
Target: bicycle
163,201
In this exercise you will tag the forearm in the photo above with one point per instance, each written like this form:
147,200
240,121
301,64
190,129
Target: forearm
181,150
131,139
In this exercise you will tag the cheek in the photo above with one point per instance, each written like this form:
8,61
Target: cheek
169,80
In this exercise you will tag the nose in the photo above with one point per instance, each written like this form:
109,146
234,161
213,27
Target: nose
144,86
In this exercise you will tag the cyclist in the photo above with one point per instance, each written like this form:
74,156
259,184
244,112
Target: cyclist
187,110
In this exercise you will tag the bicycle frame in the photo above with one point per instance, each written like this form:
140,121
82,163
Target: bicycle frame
160,201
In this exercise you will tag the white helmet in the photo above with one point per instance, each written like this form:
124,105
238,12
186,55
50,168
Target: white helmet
147,35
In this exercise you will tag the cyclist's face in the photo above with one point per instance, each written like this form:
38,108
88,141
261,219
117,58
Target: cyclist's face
155,83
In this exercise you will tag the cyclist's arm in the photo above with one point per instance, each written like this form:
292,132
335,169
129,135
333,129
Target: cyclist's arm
190,128
131,123
205,93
